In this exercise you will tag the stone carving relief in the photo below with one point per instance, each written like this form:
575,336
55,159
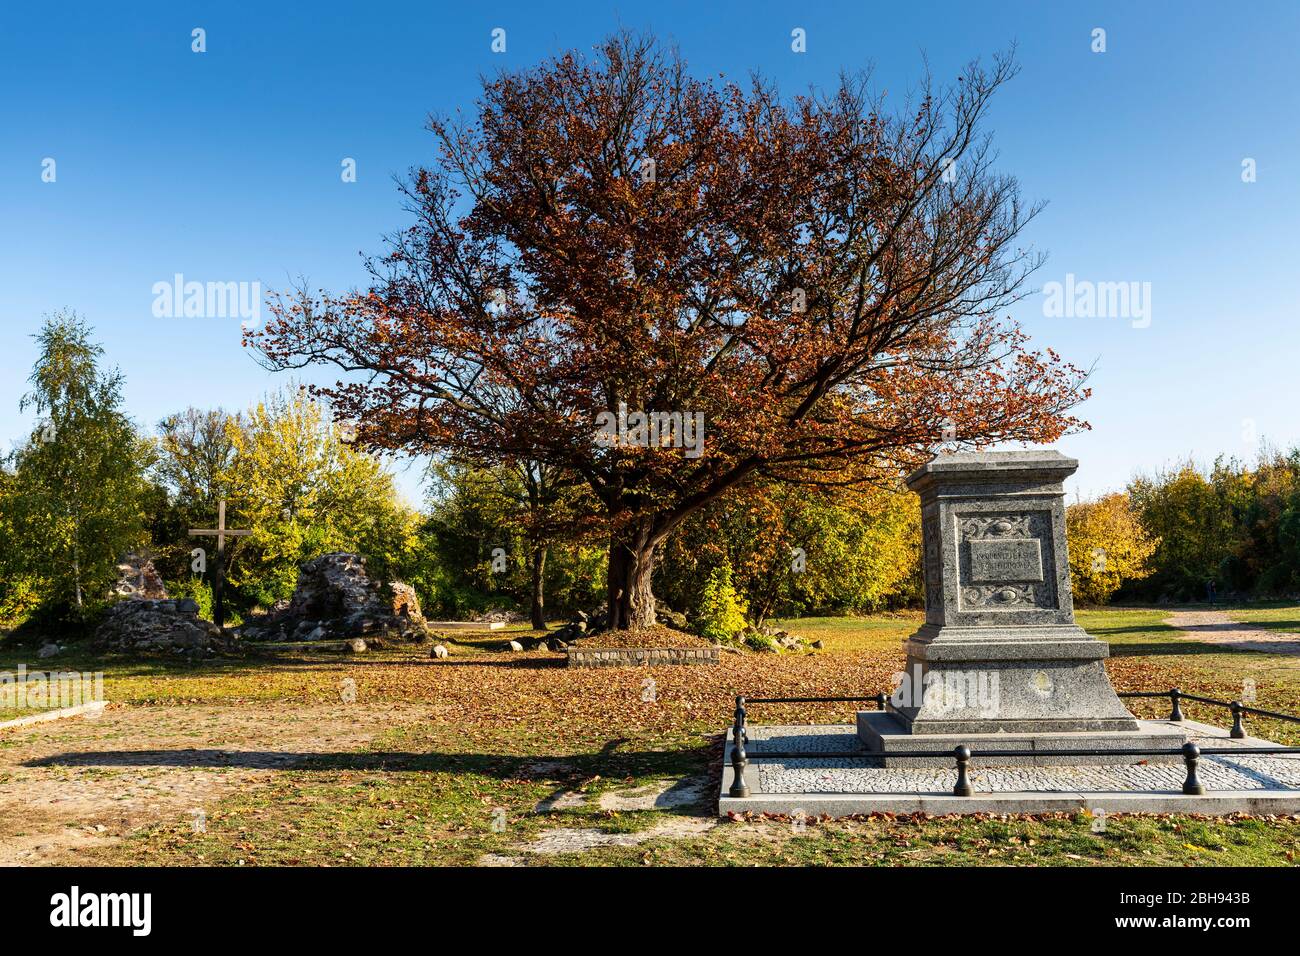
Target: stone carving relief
933,566
1003,559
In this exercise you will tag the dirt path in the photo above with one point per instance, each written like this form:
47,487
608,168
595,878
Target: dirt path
1215,627
69,784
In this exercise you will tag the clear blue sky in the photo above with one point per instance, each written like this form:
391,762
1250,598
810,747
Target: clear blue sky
226,166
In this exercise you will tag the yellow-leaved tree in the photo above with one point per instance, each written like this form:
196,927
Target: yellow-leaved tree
304,491
1108,546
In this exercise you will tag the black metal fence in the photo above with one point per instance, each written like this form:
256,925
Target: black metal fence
1190,752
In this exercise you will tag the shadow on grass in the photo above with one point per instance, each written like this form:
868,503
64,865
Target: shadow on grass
1171,649
609,762
1135,629
1291,626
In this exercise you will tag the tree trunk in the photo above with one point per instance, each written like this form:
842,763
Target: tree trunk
631,566
539,598
76,560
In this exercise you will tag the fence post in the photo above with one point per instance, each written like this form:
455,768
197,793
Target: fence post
1175,696
963,787
880,701
1192,786
738,759
1238,731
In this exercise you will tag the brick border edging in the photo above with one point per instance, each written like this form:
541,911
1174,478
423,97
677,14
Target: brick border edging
639,656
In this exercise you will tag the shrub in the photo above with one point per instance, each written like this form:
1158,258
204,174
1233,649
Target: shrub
758,641
721,613
19,598
198,591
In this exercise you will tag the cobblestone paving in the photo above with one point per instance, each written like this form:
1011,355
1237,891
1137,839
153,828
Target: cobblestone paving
865,775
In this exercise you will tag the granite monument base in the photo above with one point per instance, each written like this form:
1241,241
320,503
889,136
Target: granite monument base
883,733
1016,680
817,779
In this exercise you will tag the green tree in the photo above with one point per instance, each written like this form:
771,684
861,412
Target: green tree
78,485
1233,523
1265,501
303,490
192,471
527,511
196,455
798,549
468,519
20,590
1191,516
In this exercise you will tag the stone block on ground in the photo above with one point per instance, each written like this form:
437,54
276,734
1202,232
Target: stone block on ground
882,733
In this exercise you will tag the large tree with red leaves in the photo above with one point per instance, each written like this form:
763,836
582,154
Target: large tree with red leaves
823,279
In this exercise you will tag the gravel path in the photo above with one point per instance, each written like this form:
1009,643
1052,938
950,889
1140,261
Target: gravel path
1215,627
80,782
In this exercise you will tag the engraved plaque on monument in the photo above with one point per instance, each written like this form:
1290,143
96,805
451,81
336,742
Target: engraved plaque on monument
995,560
1000,662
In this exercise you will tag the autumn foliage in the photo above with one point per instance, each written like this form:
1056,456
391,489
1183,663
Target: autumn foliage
822,277
1108,547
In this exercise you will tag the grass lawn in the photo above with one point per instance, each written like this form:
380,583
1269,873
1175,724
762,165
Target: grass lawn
15,713
421,799
517,759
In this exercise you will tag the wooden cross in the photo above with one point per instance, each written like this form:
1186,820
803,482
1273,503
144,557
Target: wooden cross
218,574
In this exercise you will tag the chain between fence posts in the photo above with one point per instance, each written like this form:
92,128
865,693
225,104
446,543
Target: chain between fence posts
1192,785
739,760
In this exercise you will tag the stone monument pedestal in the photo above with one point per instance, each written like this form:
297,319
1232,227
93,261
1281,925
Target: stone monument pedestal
883,733
1000,663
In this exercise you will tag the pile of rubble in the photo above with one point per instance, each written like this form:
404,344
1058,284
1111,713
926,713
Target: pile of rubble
580,625
335,599
145,622
773,640
576,628
583,626
137,578
160,628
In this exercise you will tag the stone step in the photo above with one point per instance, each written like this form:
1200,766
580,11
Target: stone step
881,732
